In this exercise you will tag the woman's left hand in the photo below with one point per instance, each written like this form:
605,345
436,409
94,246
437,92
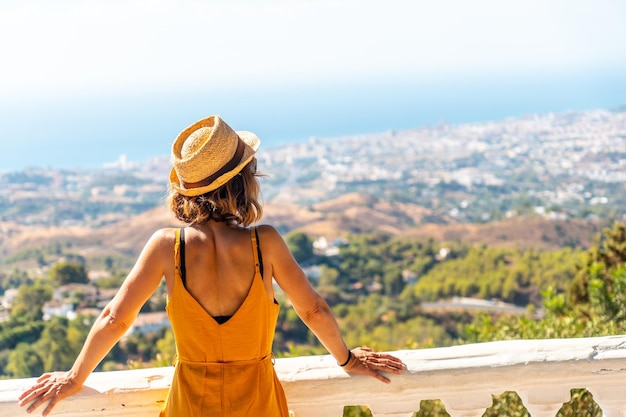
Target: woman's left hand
51,387
366,362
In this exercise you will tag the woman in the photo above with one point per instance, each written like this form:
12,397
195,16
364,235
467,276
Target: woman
220,297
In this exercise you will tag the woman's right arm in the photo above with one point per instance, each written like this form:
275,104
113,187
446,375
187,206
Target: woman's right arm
109,327
315,312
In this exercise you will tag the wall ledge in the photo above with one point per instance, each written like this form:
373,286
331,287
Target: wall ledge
464,377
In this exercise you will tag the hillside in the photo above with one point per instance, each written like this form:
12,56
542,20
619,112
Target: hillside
359,213
351,213
524,232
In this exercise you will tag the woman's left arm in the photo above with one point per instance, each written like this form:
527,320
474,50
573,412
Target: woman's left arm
113,322
317,315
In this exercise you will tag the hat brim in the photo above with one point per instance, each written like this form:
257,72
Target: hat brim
251,142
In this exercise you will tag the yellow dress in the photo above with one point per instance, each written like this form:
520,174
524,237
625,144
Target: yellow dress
224,370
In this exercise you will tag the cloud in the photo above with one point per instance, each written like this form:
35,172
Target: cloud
87,45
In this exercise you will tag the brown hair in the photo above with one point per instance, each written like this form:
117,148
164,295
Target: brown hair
235,203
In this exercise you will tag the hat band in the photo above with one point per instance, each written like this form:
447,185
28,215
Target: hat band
229,166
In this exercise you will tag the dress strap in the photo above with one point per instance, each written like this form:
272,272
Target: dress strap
177,249
180,239
258,258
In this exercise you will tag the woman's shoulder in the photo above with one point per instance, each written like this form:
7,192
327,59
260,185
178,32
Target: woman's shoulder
267,231
164,237
270,240
165,232
160,242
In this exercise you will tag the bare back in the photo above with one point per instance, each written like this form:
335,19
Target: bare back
219,264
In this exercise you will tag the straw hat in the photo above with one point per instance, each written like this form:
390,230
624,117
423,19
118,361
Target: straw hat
207,154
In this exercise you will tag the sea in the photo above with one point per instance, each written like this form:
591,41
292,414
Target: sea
91,129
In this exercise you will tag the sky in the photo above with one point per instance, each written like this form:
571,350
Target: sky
84,81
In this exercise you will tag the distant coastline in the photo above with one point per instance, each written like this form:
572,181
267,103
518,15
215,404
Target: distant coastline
91,131
20,158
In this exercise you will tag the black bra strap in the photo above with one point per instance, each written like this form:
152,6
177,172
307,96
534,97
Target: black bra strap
258,251
182,257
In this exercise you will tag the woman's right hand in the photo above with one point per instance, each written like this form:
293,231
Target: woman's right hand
51,387
364,361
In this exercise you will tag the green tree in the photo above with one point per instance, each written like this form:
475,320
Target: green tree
166,347
16,331
24,362
63,273
328,276
607,294
327,284
600,261
300,245
15,279
431,408
356,411
393,284
507,404
108,263
29,301
59,352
